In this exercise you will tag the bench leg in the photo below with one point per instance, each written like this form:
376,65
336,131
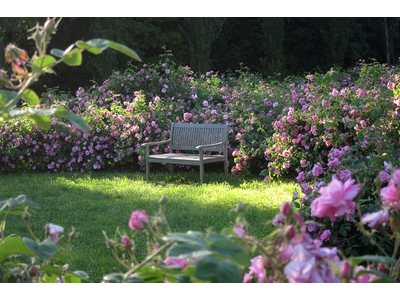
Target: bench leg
171,166
226,169
147,170
201,173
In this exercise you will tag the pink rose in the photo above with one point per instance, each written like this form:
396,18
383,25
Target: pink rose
345,175
317,170
390,194
335,199
384,176
376,219
176,262
137,219
325,235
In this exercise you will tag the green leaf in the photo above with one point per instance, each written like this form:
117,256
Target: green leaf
80,274
43,250
57,52
6,95
124,49
373,258
228,232
14,246
186,238
50,278
114,277
74,58
214,237
43,62
30,97
71,279
187,251
95,46
76,120
52,270
347,251
18,203
231,250
41,121
218,271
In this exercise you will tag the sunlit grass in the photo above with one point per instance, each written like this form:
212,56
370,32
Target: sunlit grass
104,201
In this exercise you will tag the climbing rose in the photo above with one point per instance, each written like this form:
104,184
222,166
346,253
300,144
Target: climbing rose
137,219
335,199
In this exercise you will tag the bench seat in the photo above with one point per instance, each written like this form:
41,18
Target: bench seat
193,138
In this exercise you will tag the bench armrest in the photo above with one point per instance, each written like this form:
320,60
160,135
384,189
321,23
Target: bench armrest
155,143
201,147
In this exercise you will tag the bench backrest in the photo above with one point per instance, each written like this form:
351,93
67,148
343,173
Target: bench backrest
189,136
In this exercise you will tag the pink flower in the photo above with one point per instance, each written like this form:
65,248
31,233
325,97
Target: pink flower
376,219
267,179
137,219
317,170
239,167
325,235
312,227
396,177
277,171
257,268
54,230
301,177
345,175
391,194
279,220
286,153
333,163
176,262
335,199
384,176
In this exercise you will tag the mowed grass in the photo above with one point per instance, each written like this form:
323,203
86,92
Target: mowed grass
104,201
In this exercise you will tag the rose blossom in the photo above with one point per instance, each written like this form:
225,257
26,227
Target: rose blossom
384,176
317,170
335,199
345,175
376,219
391,194
325,235
137,219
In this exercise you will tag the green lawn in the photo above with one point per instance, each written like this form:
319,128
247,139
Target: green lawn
104,201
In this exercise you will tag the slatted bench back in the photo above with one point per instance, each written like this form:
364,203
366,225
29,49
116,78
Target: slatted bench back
189,136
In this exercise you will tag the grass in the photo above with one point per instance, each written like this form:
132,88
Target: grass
104,201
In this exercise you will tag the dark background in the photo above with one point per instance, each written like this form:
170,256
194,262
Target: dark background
276,46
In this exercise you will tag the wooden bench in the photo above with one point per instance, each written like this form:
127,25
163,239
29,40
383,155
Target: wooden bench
192,137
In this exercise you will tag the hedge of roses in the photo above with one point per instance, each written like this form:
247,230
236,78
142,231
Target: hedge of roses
139,106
